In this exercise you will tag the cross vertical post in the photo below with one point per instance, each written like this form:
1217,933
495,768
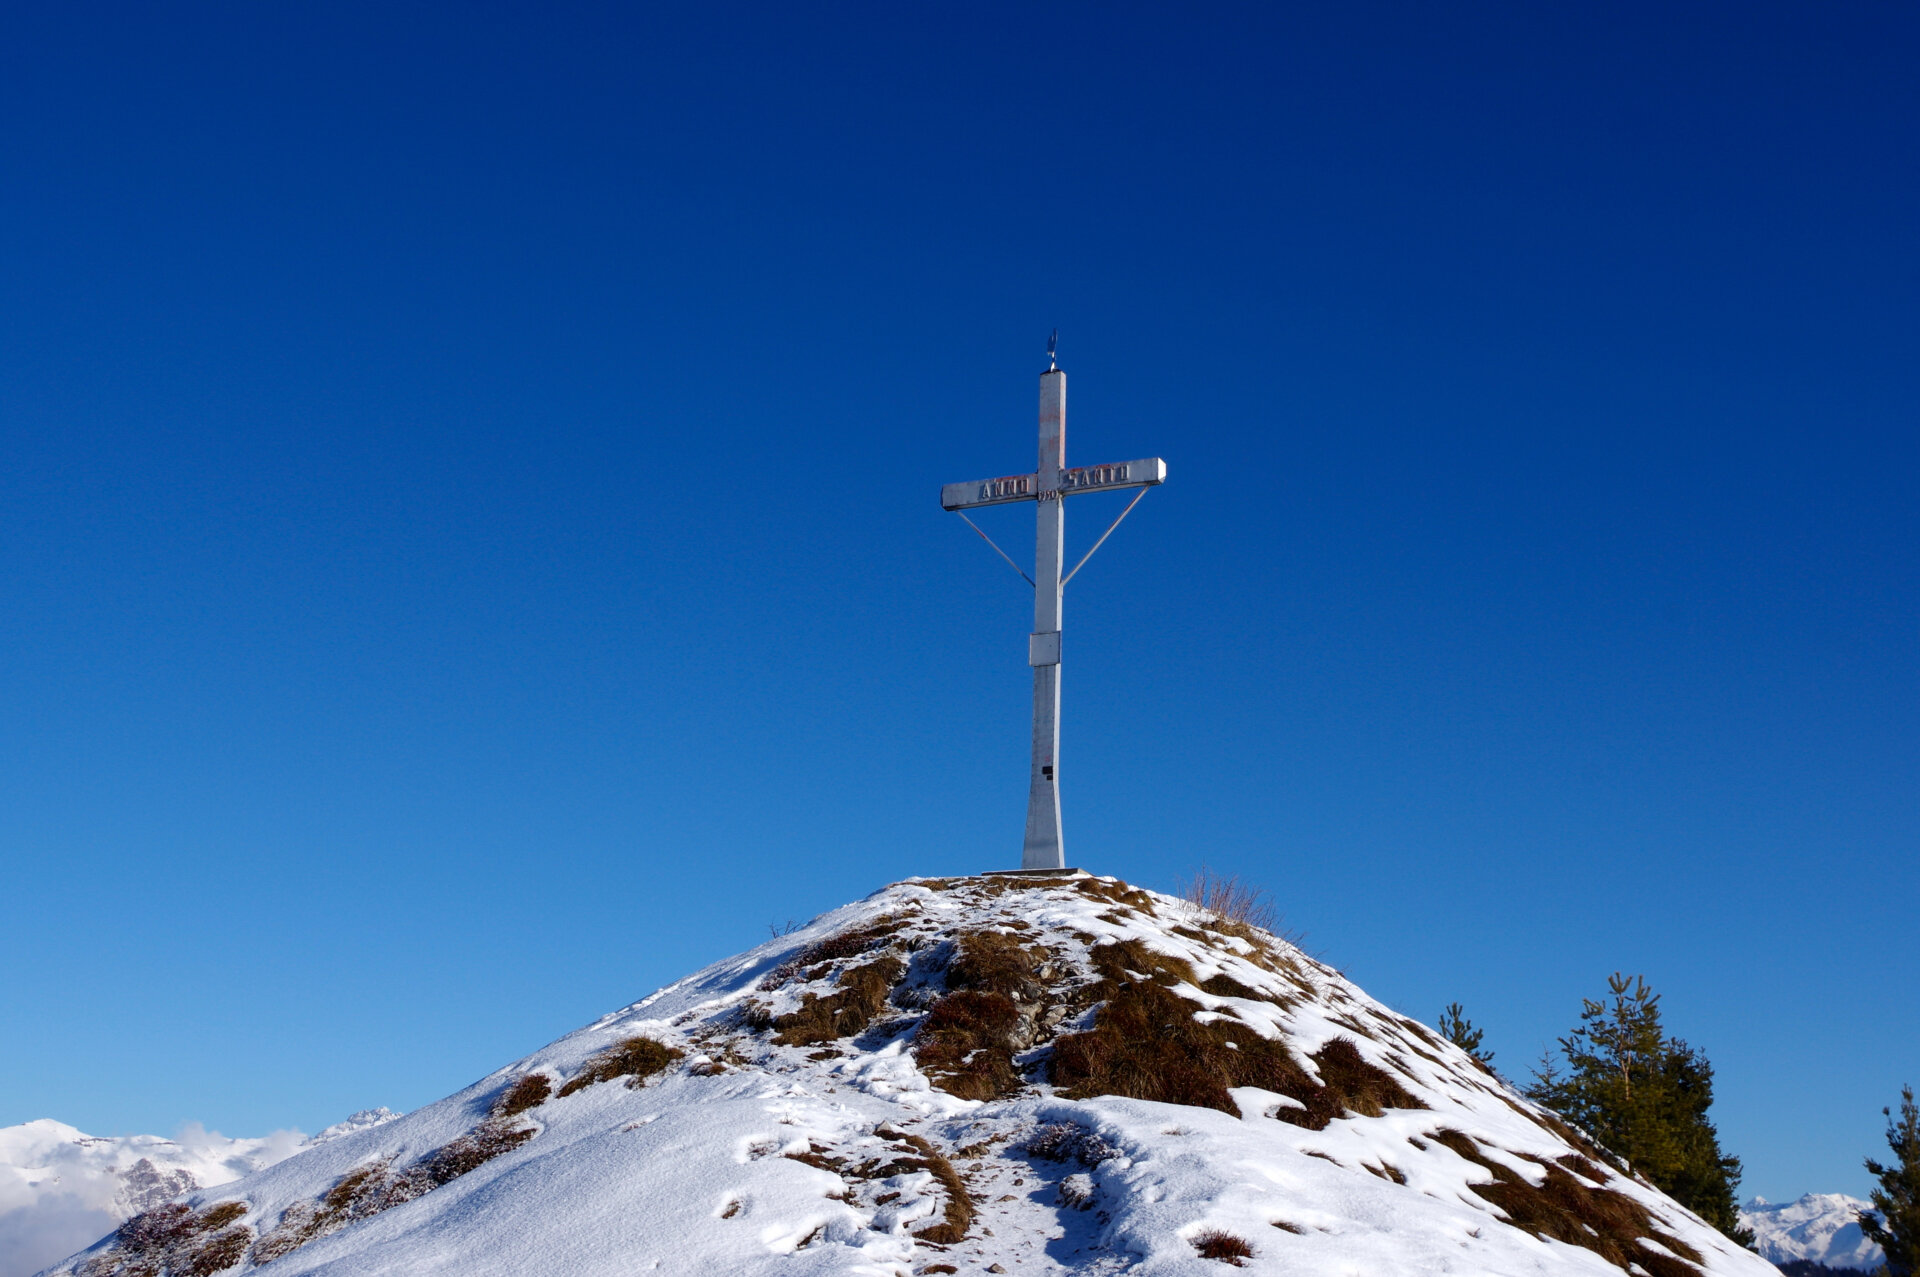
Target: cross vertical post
1048,487
1043,848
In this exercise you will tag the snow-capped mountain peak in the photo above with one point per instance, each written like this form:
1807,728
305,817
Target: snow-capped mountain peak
1822,1227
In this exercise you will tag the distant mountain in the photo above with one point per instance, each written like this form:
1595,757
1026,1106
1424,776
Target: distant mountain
1820,1228
61,1188
1037,1075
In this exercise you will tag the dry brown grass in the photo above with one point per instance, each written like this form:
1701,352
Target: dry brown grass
1608,1223
1348,1085
958,1214
1225,986
1146,1044
361,1193
1230,900
909,1153
965,1045
993,962
862,992
216,1254
369,1189
1582,1167
636,1059
1214,1244
473,1150
529,1092
844,944
174,1239
1115,892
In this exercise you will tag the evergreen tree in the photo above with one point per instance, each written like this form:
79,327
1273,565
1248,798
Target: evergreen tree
1897,1200
1457,1029
1645,1096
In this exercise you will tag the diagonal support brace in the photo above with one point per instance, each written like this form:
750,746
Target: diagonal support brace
1097,544
1003,554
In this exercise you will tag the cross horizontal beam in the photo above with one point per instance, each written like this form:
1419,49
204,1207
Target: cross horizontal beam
1026,487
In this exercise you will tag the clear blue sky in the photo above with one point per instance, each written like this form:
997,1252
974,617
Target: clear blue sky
470,549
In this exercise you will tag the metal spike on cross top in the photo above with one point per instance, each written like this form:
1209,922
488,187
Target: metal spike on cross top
1048,487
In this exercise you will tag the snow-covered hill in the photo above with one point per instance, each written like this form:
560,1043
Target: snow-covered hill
1822,1227
61,1188
997,1074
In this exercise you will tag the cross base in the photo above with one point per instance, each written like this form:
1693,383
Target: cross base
1032,873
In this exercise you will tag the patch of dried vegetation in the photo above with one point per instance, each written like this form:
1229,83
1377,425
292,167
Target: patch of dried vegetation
377,1186
910,1153
861,994
840,945
965,1045
998,995
174,1240
1604,1221
998,990
1223,1246
529,1092
635,1059
1068,1142
1230,904
1146,1044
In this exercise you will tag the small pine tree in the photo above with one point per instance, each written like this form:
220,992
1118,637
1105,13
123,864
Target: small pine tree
1645,1096
1896,1226
1457,1029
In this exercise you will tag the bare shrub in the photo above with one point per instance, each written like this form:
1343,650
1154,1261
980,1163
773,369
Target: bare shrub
1214,1244
1230,900
1068,1142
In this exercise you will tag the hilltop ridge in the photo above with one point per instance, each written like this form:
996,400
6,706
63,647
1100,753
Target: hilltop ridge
1032,1074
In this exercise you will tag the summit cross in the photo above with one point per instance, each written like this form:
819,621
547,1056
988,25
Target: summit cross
1048,487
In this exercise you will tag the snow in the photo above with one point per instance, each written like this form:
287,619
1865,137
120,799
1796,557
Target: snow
61,1188
1823,1227
699,1170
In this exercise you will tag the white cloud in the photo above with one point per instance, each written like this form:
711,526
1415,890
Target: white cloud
49,1230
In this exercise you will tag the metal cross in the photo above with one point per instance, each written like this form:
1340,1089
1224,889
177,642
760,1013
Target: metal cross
1048,486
